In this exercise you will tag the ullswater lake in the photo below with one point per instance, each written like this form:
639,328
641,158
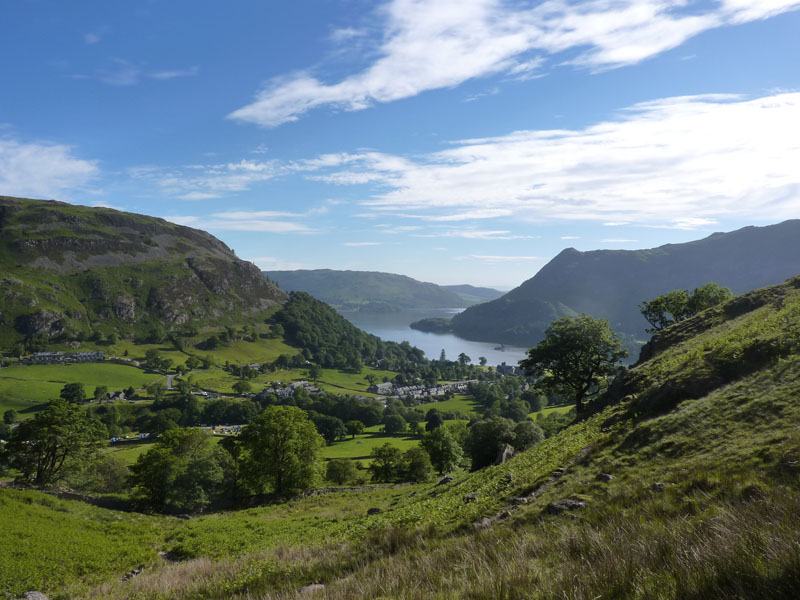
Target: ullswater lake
394,327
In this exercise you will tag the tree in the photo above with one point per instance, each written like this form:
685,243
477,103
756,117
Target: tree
443,448
354,428
315,372
281,446
394,424
9,416
433,419
100,393
416,465
482,361
74,393
387,463
677,305
527,434
464,359
576,357
340,471
486,438
43,447
242,387
331,428
708,295
183,472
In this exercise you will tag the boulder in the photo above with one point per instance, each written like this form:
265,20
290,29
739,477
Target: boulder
604,477
561,506
34,596
470,497
445,480
311,588
504,455
373,511
518,501
484,523
658,487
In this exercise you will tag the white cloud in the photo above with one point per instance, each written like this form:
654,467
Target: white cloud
570,237
433,44
677,162
42,170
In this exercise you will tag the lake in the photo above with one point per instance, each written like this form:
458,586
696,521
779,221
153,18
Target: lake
395,327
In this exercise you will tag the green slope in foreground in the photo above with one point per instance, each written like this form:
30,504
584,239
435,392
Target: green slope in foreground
702,440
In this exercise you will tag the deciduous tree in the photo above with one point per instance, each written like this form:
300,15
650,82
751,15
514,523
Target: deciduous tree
575,358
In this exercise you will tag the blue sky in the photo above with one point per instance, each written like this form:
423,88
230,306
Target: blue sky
454,141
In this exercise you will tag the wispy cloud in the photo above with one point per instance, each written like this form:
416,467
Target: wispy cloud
222,224
570,237
681,162
360,244
496,259
271,263
42,170
173,74
432,44
202,182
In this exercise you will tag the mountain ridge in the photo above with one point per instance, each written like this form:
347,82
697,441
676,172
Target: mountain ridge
611,284
376,291
69,271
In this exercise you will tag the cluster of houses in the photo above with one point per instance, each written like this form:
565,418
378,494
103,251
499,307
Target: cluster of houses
63,358
420,391
287,391
505,369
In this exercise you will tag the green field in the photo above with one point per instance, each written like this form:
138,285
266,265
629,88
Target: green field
561,408
362,445
460,403
332,380
26,387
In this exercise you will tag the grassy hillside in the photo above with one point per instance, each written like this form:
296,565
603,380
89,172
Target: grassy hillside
73,272
610,284
699,450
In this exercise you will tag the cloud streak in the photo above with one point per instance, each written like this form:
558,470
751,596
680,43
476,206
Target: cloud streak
434,44
681,162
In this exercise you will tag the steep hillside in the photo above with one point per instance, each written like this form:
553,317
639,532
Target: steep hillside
367,291
68,271
683,483
610,284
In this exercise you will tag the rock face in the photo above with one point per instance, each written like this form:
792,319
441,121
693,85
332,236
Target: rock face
68,271
504,455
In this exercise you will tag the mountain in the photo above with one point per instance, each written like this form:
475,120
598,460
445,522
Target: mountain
372,291
472,294
69,271
610,284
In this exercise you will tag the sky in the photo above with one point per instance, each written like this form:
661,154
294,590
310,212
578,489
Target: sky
453,141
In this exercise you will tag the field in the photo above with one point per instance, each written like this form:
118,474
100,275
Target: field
362,445
25,387
459,404
331,380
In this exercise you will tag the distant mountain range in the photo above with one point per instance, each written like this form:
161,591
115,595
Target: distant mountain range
611,284
68,271
372,291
